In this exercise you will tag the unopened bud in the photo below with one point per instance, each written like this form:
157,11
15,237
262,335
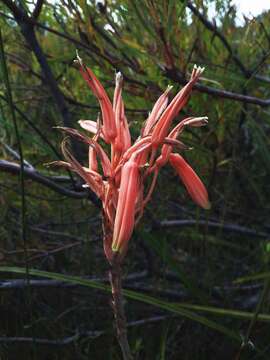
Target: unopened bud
197,122
118,78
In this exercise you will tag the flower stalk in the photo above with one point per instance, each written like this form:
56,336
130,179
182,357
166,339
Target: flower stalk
118,309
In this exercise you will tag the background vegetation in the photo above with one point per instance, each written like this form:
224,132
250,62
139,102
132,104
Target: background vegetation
183,263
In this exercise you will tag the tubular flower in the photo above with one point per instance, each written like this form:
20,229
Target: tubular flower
119,178
125,212
109,126
191,180
161,129
122,141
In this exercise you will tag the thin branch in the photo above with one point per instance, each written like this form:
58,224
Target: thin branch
34,175
114,62
61,234
70,339
16,155
21,168
176,76
267,35
8,284
15,59
244,297
260,63
129,61
212,224
55,251
27,29
95,107
41,283
172,74
30,37
213,28
33,126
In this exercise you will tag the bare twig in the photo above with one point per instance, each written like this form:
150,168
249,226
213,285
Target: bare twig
13,168
54,251
16,155
41,283
170,73
27,28
212,224
212,27
175,75
267,35
61,234
87,106
33,126
70,339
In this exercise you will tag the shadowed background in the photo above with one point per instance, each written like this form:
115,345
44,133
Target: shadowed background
186,259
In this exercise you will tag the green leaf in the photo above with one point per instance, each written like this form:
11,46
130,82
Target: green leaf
255,277
237,314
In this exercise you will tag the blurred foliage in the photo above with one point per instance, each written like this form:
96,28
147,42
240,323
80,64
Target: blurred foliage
196,263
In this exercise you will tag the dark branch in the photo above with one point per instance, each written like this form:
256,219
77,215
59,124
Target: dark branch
213,28
13,168
41,283
27,26
212,224
176,76
16,155
33,126
77,335
37,9
80,104
17,12
30,37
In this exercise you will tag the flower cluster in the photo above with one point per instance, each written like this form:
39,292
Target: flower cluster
119,179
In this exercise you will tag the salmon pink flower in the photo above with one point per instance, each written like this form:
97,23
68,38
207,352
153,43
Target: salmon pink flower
119,177
122,141
125,212
191,180
109,126
162,128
